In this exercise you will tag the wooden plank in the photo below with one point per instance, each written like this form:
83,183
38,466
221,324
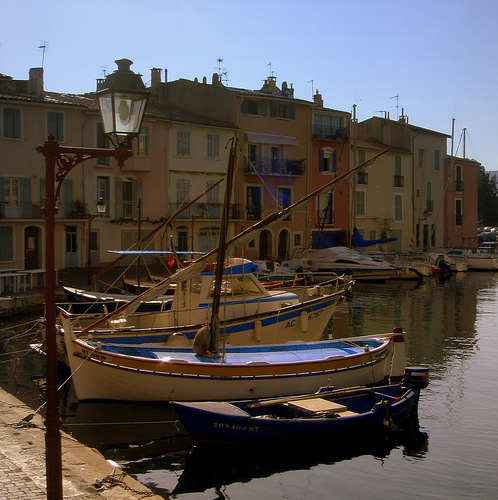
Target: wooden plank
317,405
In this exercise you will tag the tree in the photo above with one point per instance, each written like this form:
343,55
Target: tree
487,196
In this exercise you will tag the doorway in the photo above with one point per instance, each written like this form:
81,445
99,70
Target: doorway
32,257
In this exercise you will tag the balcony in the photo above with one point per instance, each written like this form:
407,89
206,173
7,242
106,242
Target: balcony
29,210
399,181
209,211
324,132
275,166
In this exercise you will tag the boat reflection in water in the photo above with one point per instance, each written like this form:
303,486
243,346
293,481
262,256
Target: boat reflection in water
214,466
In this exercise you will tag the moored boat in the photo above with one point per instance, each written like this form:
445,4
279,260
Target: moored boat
156,373
325,414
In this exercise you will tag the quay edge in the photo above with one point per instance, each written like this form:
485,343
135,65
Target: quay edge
22,460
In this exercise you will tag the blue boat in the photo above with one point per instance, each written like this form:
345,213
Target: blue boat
324,414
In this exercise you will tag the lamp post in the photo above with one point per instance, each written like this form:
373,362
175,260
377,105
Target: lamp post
122,106
101,206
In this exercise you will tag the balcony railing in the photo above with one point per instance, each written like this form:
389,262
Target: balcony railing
459,220
330,133
430,206
458,185
210,211
275,166
399,181
29,210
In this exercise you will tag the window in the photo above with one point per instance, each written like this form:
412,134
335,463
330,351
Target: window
72,239
280,110
254,157
127,198
182,191
11,123
372,234
103,142
284,197
458,213
182,239
6,243
253,203
398,207
327,160
183,143
12,197
325,213
361,156
213,145
458,178
420,157
213,201
398,177
103,191
326,127
254,107
436,159
143,142
55,125
360,202
429,197
208,238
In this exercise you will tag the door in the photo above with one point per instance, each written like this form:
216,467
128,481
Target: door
32,247
71,236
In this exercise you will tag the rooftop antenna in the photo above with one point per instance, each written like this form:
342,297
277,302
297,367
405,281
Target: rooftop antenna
104,70
312,89
383,111
222,72
271,72
397,105
44,48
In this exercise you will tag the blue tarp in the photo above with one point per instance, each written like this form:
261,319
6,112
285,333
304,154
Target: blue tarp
358,241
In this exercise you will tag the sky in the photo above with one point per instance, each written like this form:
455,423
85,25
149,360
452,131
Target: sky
434,60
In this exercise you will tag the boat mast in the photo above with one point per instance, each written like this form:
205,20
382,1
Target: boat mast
222,246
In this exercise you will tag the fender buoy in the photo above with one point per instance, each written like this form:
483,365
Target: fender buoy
257,330
303,321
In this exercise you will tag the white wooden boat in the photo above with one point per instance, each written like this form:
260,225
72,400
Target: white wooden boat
249,313
153,373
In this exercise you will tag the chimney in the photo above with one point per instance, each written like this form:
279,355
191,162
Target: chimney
155,77
35,83
317,99
100,83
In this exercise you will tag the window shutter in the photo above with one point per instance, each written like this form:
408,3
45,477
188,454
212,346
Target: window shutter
138,193
244,107
292,112
27,211
262,108
68,206
334,161
320,161
119,197
273,109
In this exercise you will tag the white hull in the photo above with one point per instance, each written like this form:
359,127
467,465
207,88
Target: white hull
100,374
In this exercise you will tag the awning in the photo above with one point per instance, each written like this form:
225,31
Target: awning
284,140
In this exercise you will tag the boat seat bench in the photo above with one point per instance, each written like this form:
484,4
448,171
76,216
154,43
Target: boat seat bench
317,406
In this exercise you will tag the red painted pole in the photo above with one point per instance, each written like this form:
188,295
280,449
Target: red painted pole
53,443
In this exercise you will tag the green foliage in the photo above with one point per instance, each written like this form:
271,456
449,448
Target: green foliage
487,193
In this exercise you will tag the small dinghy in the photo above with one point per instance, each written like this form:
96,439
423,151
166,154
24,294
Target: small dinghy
325,414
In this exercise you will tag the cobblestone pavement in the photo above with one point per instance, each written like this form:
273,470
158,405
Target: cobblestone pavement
16,484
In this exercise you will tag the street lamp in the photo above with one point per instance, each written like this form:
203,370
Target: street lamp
101,206
122,114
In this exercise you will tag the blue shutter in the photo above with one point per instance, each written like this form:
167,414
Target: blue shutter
334,161
320,161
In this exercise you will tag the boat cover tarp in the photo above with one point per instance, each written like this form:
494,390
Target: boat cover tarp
358,241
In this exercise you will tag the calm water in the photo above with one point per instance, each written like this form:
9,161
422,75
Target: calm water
451,327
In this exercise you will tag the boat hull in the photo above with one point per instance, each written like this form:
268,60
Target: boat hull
104,372
304,321
242,422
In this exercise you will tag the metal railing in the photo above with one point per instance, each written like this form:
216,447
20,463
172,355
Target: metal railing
275,166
